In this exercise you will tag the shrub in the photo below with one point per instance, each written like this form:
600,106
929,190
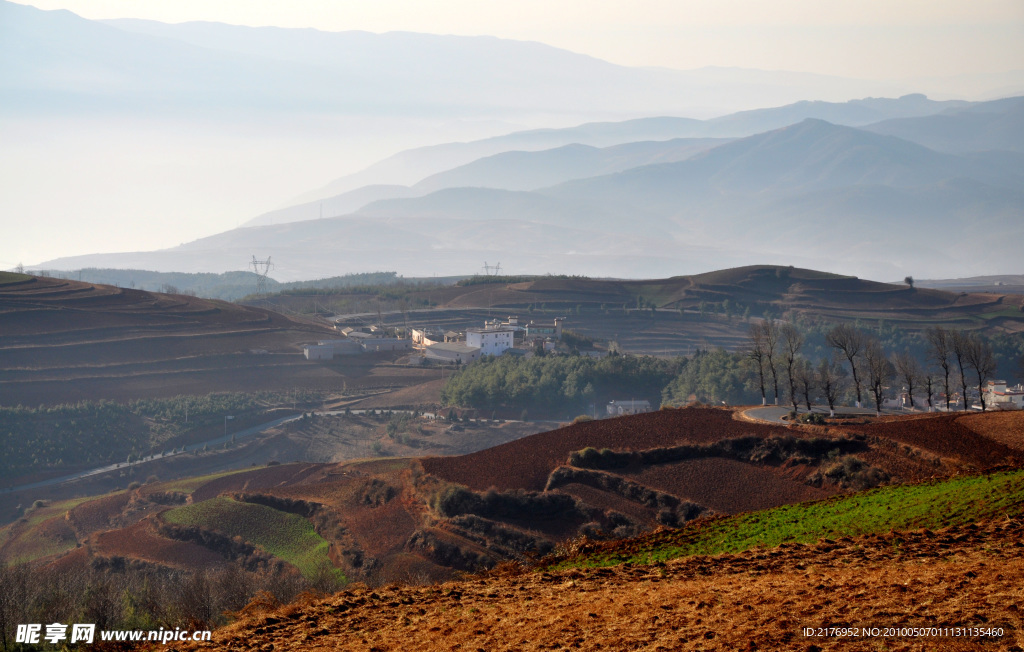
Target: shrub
813,418
456,500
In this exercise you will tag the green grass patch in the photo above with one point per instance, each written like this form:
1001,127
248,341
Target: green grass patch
188,485
1009,313
286,536
932,505
12,277
42,545
38,515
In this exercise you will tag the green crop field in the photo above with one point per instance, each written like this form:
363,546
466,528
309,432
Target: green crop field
286,536
188,485
12,277
932,505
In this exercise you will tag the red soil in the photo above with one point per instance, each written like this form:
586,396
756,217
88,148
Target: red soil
757,600
943,434
99,514
727,486
1004,427
527,462
140,542
261,478
605,500
380,530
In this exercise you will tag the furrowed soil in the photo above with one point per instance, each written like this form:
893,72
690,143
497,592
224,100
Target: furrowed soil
67,341
526,463
969,576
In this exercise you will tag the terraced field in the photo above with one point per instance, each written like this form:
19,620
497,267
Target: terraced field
956,588
724,486
66,341
286,536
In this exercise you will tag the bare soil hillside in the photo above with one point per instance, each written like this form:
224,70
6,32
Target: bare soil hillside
65,341
828,596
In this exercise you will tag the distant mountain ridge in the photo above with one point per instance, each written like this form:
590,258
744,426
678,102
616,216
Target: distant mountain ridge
52,57
415,166
872,205
996,125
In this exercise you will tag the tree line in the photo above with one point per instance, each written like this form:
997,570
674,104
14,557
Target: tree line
553,384
858,358
783,362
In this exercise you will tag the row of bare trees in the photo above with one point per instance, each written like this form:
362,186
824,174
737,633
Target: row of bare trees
775,349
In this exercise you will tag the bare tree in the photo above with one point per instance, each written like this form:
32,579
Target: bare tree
940,348
850,342
770,333
929,384
792,342
880,371
805,380
758,354
980,358
908,369
958,344
830,380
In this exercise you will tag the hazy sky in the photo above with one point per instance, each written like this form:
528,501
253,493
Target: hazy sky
870,38
90,188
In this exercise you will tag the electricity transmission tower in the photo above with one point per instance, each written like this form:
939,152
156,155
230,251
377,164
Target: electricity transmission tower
262,268
496,269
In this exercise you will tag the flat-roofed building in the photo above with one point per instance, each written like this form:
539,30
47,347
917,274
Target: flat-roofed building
490,341
452,353
344,346
318,352
616,408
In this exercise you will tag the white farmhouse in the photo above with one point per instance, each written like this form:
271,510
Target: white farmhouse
490,341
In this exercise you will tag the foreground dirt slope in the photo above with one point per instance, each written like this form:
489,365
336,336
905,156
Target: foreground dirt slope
761,600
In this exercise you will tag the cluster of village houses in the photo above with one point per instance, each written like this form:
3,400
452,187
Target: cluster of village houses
426,346
496,337
998,396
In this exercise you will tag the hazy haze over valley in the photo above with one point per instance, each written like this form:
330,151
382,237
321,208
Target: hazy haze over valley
431,153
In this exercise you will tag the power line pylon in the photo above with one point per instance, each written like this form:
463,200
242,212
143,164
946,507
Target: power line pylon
262,268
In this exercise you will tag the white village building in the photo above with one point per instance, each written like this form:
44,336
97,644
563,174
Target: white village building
999,396
490,341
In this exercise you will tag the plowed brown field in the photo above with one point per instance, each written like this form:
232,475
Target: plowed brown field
944,434
1004,427
527,462
140,542
761,600
727,486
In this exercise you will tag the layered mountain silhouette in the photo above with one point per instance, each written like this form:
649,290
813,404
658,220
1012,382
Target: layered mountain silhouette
813,192
496,162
